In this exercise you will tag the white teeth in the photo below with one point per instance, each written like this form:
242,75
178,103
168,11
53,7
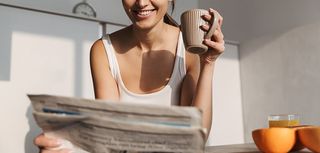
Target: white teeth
144,13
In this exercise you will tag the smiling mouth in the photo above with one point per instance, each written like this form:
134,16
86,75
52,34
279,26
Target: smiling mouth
144,13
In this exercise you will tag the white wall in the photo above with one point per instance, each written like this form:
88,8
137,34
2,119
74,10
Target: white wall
227,125
280,75
278,57
248,19
48,54
279,65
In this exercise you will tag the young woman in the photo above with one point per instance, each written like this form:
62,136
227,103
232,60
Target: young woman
146,62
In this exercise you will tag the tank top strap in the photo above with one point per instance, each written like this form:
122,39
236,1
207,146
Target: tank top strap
113,63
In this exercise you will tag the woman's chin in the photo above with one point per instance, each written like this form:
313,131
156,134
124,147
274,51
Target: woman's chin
143,26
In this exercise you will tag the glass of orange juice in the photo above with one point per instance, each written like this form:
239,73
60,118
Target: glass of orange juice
284,120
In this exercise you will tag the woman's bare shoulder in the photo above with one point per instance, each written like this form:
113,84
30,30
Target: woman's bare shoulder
98,57
97,48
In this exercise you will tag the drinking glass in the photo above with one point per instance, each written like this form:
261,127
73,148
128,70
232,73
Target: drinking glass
284,120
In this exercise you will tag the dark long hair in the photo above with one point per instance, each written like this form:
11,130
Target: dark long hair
168,19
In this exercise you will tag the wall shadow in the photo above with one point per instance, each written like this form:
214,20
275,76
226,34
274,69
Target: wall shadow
34,130
5,52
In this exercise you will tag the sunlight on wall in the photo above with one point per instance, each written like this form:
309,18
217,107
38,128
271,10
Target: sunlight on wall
48,62
227,122
40,64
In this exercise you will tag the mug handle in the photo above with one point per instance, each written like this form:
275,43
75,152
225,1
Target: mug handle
213,26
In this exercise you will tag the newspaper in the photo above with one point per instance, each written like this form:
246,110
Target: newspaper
98,126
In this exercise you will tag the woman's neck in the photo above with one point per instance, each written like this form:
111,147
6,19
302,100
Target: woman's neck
149,39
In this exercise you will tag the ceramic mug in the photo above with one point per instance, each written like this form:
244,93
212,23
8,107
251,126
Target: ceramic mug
193,36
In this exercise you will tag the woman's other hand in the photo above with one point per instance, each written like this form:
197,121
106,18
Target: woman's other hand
49,145
216,43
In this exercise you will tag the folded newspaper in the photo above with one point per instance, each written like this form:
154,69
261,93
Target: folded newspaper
98,126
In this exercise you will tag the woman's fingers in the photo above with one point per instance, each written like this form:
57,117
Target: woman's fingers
218,35
217,41
205,27
208,17
217,38
49,145
220,18
218,46
45,142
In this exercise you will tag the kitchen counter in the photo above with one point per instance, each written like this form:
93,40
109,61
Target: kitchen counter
239,148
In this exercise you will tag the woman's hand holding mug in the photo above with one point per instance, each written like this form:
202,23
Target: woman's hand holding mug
202,33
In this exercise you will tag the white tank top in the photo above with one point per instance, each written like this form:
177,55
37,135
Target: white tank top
168,95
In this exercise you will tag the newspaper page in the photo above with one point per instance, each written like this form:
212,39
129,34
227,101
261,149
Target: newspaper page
98,126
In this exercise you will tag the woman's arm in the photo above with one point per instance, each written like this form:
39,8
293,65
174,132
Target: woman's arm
197,88
105,86
197,85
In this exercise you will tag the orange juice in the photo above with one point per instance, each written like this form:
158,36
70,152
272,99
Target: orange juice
283,123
